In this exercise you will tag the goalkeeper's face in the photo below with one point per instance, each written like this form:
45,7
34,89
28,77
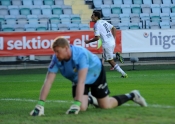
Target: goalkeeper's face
62,53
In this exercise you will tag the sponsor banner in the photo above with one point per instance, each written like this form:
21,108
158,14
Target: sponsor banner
39,43
148,41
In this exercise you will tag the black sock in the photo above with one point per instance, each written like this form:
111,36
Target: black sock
123,98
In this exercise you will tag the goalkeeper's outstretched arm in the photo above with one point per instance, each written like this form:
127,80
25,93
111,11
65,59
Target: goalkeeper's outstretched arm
39,108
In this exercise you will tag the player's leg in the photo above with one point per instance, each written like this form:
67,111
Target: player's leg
108,55
100,91
84,101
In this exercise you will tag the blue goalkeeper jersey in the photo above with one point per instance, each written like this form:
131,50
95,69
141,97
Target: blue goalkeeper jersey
81,58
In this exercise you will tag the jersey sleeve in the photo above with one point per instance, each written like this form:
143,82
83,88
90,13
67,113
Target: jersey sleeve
83,62
53,66
96,30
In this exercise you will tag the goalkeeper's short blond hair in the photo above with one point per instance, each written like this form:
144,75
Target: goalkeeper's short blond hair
60,42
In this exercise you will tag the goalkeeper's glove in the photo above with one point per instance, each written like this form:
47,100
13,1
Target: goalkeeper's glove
75,108
38,110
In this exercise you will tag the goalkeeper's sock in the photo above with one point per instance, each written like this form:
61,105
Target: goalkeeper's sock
124,98
117,67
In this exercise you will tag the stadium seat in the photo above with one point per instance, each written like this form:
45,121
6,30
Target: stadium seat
165,25
57,9
155,8
73,26
46,10
172,25
166,2
54,19
115,19
127,2
30,27
106,11
123,26
13,10
147,2
172,15
117,2
146,8
36,10
65,19
19,28
27,2
5,2
146,19
157,1
63,27
107,2
125,18
67,9
43,19
59,2
116,9
173,1
137,2
165,17
135,8
75,18
16,2
4,10
155,17
53,27
24,10
84,27
135,18
154,25
7,28
38,2
21,19
126,9
173,8
10,19
41,27
48,2
134,26
97,4
32,19
2,19
165,8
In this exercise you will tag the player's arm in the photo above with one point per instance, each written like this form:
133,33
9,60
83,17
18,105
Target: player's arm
47,85
96,38
39,108
113,30
80,86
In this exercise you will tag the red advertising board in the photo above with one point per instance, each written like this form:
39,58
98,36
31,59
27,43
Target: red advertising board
39,43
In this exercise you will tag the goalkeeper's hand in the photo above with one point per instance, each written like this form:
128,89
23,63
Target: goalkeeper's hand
38,110
75,108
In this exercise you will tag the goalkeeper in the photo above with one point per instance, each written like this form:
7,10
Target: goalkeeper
85,70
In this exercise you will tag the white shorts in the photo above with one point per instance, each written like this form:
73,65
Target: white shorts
108,51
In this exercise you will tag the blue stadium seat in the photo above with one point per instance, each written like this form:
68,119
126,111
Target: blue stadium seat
13,10
17,2
116,9
35,10
84,27
4,10
10,19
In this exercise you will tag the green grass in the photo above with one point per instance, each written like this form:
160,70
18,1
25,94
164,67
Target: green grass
156,83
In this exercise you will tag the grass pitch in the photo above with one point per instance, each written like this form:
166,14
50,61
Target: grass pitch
20,91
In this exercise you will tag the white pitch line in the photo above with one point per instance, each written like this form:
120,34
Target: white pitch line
62,101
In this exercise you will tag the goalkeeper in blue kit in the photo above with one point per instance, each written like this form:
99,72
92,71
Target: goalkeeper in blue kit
85,70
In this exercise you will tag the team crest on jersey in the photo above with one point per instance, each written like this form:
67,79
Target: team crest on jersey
51,64
75,69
